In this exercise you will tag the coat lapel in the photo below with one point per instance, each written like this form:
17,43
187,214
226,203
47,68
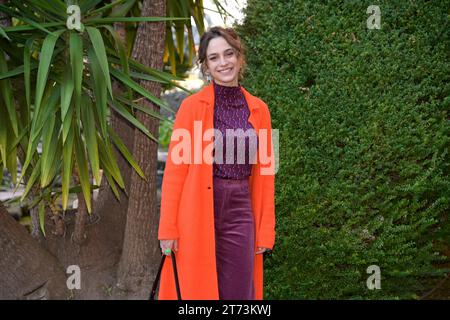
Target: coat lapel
207,95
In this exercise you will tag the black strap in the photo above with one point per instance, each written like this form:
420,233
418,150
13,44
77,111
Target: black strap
158,275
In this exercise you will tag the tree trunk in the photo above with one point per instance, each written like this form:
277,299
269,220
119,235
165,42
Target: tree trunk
28,270
140,249
122,231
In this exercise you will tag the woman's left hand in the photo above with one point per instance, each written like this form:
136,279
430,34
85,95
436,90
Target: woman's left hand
261,250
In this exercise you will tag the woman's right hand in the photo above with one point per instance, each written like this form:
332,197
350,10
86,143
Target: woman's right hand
168,244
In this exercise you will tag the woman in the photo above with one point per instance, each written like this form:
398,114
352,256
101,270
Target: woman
218,214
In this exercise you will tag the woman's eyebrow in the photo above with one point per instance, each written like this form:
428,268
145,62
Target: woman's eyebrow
212,54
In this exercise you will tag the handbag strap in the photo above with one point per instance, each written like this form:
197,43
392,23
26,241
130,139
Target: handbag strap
158,275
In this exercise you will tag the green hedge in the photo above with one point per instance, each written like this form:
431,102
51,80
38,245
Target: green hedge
364,140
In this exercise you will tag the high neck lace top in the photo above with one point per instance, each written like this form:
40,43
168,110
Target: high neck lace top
231,112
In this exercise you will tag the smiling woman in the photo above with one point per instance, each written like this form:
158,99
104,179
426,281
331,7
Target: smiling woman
222,56
219,217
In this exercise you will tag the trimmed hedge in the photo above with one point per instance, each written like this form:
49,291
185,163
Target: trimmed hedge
364,139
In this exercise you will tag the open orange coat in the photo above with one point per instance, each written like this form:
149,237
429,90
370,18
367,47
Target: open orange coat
187,208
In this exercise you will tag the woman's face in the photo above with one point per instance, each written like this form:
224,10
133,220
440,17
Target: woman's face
222,62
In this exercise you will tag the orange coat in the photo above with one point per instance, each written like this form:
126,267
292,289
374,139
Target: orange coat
187,208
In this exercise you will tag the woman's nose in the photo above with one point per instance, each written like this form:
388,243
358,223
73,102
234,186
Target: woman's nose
223,61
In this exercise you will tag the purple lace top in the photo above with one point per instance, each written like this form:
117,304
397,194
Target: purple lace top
231,112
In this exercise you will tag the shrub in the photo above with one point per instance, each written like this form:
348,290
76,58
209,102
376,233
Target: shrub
364,139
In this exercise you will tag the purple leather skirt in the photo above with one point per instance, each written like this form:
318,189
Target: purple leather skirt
234,232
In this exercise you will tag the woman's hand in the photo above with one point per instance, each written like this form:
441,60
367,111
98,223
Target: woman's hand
261,250
173,245
168,244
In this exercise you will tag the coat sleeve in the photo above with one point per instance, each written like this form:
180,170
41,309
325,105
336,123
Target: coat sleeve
266,237
173,178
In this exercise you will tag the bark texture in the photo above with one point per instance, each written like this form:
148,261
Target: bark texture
28,270
140,249
116,246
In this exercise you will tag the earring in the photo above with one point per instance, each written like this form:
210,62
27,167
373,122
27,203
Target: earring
208,78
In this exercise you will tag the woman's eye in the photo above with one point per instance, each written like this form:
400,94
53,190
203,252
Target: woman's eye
228,54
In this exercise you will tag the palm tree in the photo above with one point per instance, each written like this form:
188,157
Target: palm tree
77,94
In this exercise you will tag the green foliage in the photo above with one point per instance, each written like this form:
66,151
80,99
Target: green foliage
55,90
165,131
364,139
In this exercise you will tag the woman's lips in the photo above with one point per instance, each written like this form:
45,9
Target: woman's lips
226,70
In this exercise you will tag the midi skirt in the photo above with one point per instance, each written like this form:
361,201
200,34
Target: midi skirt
234,235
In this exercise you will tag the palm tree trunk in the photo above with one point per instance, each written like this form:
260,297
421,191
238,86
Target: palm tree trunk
140,249
124,231
28,270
